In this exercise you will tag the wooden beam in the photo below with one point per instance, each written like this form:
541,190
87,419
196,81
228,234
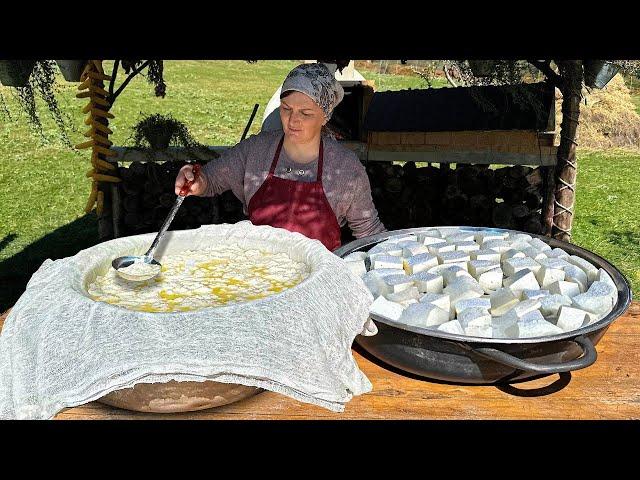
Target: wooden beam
129,154
567,164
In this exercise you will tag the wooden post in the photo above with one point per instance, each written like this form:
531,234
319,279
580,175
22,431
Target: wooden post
548,202
567,165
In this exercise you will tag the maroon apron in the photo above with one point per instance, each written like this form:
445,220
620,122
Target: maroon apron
296,206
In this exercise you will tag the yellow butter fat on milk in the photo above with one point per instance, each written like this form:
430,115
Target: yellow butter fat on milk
192,280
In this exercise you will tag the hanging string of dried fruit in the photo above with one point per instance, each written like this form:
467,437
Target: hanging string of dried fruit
92,87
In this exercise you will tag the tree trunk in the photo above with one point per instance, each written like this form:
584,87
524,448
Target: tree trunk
567,165
547,207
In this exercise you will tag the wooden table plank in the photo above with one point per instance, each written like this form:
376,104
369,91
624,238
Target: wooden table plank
609,389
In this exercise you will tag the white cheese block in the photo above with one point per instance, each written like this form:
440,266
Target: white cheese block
603,276
452,273
433,241
478,267
546,276
461,237
466,246
534,294
356,256
429,234
397,283
453,257
462,305
511,266
571,318
491,280
533,324
598,299
411,251
559,263
419,263
539,244
502,300
550,305
499,246
427,282
512,253
452,326
557,253
462,289
484,254
482,236
475,330
576,275
383,307
474,316
590,269
522,280
424,315
387,261
411,293
570,289
519,237
357,266
533,253
439,248
519,310
438,299
403,238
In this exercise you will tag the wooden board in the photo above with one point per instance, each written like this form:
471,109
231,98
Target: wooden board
390,153
609,389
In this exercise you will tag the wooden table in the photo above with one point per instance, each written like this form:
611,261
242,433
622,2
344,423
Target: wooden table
609,389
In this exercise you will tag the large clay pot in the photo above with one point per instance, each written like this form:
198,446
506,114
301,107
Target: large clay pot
173,397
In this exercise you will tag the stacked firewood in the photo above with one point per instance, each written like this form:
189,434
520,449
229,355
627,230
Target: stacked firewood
146,194
406,196
409,196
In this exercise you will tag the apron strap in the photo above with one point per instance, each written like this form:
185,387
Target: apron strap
320,158
274,162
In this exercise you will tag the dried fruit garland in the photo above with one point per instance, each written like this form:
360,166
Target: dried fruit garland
92,87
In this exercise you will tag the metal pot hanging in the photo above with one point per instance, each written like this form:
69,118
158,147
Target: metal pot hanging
15,73
597,73
71,69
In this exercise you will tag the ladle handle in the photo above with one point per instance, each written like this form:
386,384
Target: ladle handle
187,184
172,213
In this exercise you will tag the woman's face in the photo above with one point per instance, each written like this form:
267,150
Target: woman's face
302,118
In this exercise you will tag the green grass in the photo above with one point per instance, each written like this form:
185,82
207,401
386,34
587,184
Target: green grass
386,81
43,188
607,220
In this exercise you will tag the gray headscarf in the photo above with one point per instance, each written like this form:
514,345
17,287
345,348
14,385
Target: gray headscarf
316,81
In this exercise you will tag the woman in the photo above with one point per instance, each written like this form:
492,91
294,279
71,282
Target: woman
297,179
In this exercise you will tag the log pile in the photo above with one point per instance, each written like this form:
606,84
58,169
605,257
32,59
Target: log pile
146,194
406,196
409,196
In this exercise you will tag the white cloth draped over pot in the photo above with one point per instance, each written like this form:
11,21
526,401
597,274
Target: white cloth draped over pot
60,349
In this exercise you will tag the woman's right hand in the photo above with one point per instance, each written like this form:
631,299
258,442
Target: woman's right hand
186,174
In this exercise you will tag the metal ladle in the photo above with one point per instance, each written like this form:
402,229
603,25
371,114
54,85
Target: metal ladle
128,260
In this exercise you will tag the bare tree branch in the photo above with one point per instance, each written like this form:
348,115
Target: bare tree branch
114,73
129,78
445,67
545,67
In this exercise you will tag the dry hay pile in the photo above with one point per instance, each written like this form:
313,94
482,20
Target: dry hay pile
608,120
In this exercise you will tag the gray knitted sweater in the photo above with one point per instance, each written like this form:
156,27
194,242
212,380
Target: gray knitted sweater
244,167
